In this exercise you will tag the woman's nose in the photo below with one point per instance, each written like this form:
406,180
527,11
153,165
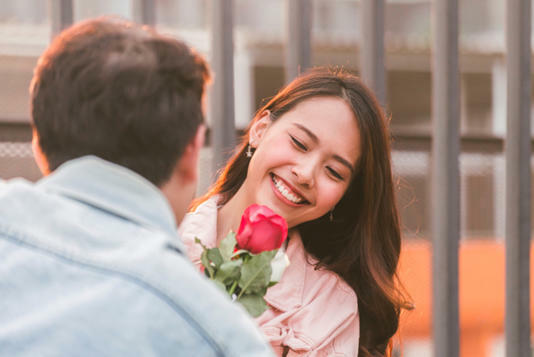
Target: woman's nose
304,173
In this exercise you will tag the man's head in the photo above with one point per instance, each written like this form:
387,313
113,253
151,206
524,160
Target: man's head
124,93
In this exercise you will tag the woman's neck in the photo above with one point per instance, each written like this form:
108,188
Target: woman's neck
229,215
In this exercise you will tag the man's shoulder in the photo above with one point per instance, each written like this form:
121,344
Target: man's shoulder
191,303
14,183
18,189
191,310
195,301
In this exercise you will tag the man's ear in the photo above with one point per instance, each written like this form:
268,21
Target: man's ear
38,155
258,128
187,164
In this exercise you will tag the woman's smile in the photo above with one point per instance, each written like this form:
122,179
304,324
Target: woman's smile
288,194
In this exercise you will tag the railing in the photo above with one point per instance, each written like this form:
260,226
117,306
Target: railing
445,179
517,147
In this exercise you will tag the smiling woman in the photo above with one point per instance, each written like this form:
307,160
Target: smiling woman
318,154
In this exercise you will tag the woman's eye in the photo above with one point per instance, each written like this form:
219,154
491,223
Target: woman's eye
298,144
334,173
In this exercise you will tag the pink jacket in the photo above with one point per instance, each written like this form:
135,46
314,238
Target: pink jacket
313,312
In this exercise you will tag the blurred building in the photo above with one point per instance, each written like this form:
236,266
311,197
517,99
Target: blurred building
259,48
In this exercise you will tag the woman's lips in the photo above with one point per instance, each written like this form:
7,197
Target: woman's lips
287,192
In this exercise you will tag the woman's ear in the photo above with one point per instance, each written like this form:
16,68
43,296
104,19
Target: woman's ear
258,128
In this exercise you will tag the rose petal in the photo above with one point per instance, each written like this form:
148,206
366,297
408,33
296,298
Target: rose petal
261,229
244,233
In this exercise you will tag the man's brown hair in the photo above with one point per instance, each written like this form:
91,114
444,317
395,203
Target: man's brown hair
119,91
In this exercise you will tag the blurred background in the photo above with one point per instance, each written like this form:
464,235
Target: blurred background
259,50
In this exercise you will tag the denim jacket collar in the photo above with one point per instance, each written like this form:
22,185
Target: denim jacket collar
115,189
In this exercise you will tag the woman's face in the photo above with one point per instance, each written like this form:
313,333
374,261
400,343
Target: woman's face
304,161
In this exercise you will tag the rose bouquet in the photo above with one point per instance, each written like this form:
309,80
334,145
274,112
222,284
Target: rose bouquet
246,264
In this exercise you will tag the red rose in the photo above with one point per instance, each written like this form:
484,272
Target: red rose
261,230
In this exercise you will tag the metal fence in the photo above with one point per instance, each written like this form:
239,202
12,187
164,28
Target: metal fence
444,145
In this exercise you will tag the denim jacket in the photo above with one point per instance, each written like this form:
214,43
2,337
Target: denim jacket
91,266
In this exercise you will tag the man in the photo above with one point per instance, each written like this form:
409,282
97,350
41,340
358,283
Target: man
90,261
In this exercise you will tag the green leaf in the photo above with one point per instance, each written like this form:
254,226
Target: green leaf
269,254
256,273
227,246
241,253
214,255
228,272
254,304
206,263
220,285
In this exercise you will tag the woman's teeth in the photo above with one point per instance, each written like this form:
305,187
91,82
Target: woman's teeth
284,191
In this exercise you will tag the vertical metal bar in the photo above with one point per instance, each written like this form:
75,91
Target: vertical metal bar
372,47
445,178
298,49
222,95
145,12
61,15
517,151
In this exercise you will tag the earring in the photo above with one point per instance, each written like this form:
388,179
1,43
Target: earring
331,216
249,151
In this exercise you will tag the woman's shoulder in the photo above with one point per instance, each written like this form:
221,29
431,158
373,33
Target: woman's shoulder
303,285
321,281
314,309
326,287
202,224
203,218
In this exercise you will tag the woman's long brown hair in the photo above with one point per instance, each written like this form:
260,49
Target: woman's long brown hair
362,244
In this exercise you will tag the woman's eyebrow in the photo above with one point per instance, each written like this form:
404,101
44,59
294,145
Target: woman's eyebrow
344,162
307,131
314,138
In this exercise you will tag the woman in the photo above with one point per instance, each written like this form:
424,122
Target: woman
318,154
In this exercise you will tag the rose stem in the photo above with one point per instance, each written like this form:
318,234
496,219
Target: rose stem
232,288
